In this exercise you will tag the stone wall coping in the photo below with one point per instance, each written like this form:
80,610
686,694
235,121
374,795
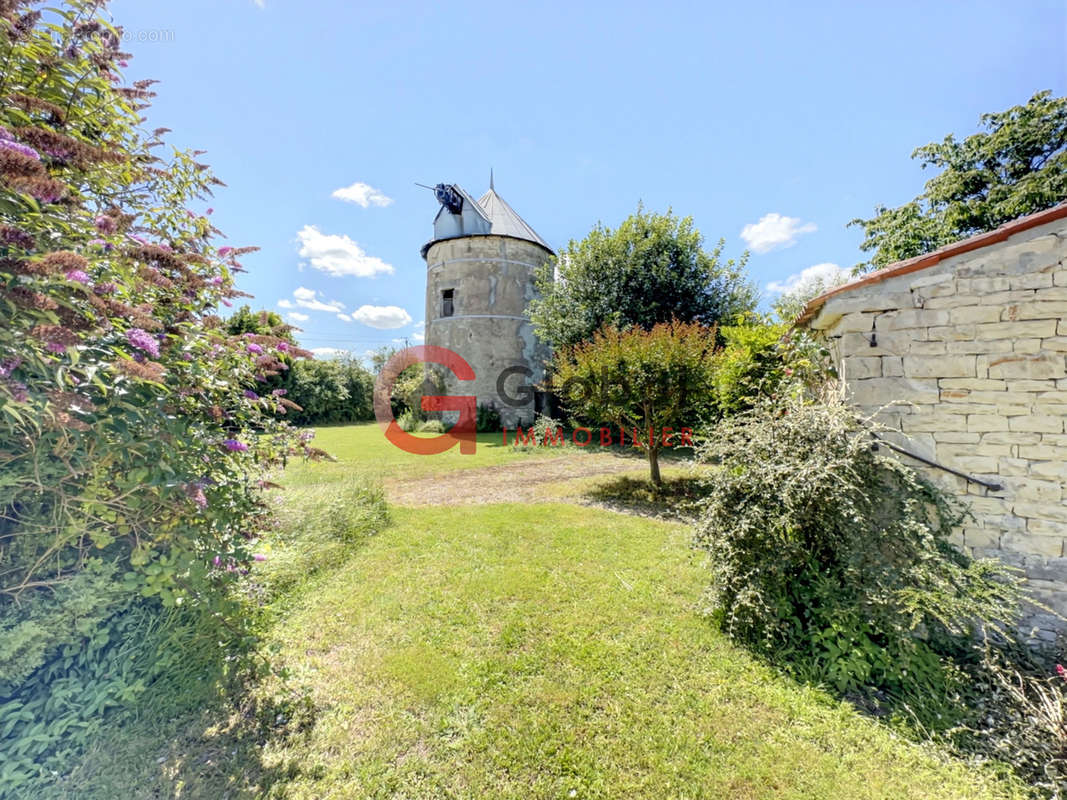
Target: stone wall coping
926,260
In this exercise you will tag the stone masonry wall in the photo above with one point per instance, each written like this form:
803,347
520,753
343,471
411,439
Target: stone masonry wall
492,281
972,353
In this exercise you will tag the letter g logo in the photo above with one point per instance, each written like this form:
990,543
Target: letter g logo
463,431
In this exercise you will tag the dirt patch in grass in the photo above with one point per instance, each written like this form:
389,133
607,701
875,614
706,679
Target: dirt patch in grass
519,482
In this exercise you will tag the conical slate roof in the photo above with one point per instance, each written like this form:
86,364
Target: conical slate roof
505,221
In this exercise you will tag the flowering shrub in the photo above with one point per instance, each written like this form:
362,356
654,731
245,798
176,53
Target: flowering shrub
131,437
831,552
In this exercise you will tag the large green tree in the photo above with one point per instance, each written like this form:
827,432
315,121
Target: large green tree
1016,166
653,268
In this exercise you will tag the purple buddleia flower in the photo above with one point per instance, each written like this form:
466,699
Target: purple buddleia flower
143,340
9,365
78,276
18,147
235,446
280,392
106,224
251,395
254,348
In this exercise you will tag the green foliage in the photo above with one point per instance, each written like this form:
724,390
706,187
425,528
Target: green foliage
262,323
544,430
131,441
329,391
651,269
407,421
488,419
1017,166
790,305
641,379
431,426
830,551
761,359
142,653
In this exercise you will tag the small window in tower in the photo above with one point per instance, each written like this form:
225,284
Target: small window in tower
448,302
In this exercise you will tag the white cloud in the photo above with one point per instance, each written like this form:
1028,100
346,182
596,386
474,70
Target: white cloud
420,331
338,255
362,194
296,316
344,317
774,231
328,352
382,317
285,304
308,298
817,277
260,3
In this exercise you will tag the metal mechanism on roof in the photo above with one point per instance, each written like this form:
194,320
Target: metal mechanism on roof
448,197
490,215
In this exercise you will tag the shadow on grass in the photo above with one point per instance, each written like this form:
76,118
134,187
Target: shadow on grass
676,498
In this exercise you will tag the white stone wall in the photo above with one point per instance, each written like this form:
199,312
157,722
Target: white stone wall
967,362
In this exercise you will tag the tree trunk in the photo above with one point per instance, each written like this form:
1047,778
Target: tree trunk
653,465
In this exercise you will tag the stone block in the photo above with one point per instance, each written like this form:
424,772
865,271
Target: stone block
881,391
1026,346
892,366
982,537
973,465
1050,528
943,367
1040,366
1031,280
1038,310
981,286
931,422
1011,438
1029,489
957,437
950,333
1052,470
1036,424
972,314
982,423
909,318
852,323
980,384
1052,511
858,367
1059,277
975,347
1026,542
928,348
1030,329
1017,467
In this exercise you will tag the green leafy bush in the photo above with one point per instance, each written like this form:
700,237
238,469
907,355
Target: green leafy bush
830,551
488,419
134,427
760,359
329,391
431,426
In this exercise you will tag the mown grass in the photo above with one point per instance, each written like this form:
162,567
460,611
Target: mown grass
364,450
512,651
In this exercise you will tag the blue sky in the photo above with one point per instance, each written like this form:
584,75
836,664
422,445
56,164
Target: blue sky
791,118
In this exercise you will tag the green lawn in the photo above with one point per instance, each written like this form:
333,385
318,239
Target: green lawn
364,450
528,651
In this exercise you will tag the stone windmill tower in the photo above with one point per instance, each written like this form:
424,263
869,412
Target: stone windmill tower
480,267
